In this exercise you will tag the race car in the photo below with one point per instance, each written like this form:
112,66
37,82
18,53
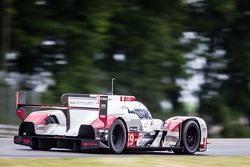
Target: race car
114,122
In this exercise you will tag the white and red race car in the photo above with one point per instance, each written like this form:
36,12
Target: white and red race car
115,122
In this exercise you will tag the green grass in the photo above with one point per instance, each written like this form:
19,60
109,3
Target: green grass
138,161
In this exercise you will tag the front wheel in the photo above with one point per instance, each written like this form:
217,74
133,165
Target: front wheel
118,137
190,138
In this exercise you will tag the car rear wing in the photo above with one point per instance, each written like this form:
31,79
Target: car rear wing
68,102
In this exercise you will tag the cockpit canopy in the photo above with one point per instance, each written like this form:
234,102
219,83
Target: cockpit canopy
142,113
139,109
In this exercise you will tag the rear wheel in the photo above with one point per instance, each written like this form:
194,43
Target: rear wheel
190,138
40,146
118,136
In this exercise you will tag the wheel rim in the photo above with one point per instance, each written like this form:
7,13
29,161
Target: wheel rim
117,136
191,137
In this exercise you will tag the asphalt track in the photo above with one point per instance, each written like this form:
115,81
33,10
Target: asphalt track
217,147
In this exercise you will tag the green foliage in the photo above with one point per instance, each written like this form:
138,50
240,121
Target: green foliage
145,36
225,24
235,131
148,34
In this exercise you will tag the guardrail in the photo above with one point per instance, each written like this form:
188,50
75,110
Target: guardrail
8,130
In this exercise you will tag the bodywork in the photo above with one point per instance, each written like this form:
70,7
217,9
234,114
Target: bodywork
83,122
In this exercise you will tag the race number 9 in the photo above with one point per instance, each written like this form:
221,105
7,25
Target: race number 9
132,139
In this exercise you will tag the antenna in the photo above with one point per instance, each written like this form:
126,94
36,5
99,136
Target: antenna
112,90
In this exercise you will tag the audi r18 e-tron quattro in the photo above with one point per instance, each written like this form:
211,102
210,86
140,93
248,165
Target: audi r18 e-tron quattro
114,122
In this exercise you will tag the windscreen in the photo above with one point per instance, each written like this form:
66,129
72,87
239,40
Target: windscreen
142,113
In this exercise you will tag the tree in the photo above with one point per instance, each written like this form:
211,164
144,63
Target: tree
146,33
94,31
5,22
225,25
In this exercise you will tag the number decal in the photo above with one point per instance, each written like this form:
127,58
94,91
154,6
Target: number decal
132,139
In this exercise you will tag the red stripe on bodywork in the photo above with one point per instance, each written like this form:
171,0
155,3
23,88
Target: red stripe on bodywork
21,114
98,123
17,95
204,143
127,98
38,118
26,141
173,124
110,121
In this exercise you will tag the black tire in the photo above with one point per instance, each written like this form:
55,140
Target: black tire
118,137
42,149
190,138
35,146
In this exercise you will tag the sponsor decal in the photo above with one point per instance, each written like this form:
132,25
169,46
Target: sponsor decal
82,102
103,116
103,109
140,140
133,128
103,106
106,136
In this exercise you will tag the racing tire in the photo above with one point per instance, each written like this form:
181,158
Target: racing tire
118,137
35,146
190,138
42,149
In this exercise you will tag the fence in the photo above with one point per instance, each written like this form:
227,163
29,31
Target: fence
8,130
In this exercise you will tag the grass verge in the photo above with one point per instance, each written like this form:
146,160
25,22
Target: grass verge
138,161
